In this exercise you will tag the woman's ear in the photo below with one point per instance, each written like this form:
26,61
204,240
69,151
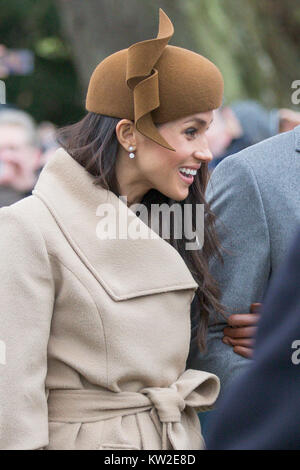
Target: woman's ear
125,131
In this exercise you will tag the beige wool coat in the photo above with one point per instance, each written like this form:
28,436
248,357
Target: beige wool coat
94,332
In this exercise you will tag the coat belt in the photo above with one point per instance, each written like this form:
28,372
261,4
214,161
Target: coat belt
196,389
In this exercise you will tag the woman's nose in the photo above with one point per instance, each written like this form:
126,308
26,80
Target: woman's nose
203,152
204,155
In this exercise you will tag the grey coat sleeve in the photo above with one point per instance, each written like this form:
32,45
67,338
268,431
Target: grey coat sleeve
242,228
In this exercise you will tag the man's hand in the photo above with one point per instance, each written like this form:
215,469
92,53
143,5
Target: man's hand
241,331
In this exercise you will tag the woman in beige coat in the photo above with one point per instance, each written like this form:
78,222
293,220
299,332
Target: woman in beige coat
95,329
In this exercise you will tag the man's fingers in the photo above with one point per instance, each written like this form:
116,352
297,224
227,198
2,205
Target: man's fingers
246,342
242,329
243,319
242,351
246,332
255,307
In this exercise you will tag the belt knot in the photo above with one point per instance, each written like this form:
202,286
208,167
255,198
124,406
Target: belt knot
167,402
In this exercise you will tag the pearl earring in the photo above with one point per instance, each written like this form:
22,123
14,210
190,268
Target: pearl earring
131,155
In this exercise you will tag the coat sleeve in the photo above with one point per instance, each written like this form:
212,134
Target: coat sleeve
26,305
242,228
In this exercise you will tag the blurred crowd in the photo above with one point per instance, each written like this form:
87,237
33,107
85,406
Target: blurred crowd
25,147
246,123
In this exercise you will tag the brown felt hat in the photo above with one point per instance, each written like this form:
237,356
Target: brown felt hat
153,83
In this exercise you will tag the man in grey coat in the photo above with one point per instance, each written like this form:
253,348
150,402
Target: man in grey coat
255,195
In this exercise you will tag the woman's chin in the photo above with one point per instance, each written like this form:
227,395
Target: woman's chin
181,198
178,195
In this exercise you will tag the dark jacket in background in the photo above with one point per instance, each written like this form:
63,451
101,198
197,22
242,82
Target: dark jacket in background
262,408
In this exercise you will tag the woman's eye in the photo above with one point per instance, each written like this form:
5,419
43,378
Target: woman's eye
191,131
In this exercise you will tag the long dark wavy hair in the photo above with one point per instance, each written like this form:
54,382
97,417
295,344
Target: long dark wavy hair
93,143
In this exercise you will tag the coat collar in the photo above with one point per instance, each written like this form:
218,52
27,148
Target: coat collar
126,268
297,138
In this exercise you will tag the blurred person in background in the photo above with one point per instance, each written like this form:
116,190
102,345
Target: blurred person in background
3,68
19,155
246,123
48,143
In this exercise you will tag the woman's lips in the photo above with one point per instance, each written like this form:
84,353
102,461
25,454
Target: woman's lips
188,179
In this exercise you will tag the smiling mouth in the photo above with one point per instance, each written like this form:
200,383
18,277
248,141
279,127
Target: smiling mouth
188,179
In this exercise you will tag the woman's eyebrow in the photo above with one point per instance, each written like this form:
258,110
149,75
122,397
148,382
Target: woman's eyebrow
202,122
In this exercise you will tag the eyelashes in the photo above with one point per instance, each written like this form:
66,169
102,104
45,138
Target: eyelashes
191,131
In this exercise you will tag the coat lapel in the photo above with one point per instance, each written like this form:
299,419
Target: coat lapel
126,268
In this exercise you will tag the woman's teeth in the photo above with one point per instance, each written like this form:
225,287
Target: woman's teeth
188,171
